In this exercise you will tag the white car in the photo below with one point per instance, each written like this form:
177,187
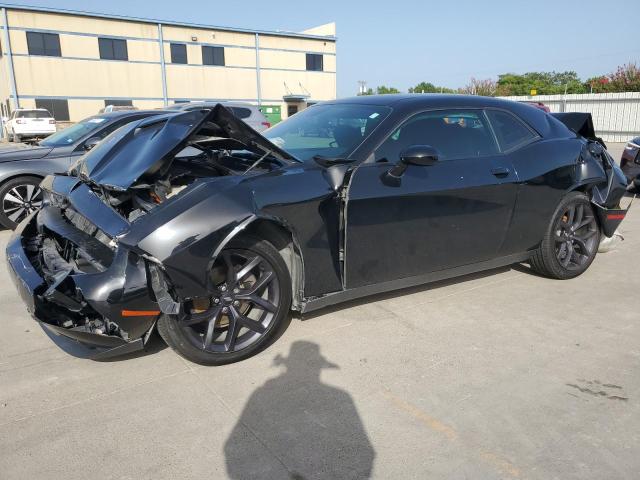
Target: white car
248,113
29,123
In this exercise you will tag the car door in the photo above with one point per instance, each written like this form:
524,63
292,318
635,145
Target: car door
452,213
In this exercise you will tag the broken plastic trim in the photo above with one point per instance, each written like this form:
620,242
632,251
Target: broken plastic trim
161,290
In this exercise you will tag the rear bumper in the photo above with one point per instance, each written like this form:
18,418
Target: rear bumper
84,313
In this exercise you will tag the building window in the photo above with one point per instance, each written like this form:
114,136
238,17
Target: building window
43,44
58,108
113,49
118,103
179,53
314,62
180,101
212,55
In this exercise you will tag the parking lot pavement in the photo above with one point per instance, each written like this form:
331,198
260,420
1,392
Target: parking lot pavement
498,375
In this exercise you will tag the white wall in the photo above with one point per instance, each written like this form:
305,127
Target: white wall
616,116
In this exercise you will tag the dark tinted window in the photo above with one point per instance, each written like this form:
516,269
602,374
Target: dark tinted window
240,112
33,114
511,132
113,49
454,133
118,103
212,55
178,53
314,62
58,108
43,44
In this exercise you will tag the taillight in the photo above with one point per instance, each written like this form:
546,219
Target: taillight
266,124
20,121
52,121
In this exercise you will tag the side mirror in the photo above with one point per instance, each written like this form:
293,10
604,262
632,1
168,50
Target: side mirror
91,142
595,149
420,155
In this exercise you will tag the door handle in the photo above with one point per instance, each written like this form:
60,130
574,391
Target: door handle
500,171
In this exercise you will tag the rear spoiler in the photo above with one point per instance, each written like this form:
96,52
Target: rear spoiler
581,123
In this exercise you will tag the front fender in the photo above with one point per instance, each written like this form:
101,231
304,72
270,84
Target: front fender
183,236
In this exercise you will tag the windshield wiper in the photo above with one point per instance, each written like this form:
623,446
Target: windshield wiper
329,161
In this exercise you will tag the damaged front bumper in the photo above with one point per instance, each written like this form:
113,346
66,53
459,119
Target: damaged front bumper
94,301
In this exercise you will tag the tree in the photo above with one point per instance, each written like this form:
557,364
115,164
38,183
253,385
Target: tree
428,87
485,88
382,90
626,78
545,83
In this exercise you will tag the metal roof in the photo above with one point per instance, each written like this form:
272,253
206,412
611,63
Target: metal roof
83,13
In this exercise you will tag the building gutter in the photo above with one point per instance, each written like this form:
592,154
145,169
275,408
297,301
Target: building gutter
12,76
163,66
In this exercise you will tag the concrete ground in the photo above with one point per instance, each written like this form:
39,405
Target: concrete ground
499,375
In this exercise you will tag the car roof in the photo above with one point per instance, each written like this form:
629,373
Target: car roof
185,105
126,113
428,100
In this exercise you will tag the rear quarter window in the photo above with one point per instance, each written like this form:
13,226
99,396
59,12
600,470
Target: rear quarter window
240,112
510,131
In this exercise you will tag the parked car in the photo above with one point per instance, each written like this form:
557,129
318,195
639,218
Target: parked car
630,161
194,222
116,108
29,123
538,105
248,113
22,167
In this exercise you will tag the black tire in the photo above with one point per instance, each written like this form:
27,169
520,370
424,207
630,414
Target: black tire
20,188
188,335
571,241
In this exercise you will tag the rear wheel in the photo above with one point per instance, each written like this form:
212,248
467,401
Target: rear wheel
18,198
571,241
249,309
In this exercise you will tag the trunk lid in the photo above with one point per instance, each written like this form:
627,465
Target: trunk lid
147,147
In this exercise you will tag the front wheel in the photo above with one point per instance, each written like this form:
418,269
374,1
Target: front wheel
571,241
249,309
19,197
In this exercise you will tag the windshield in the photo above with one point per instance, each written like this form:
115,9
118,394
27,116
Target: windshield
333,131
73,133
33,114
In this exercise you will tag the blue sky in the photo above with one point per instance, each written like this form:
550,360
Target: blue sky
403,42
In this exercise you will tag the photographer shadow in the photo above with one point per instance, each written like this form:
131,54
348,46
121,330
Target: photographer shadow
311,430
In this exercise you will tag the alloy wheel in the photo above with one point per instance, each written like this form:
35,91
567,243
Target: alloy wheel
243,308
20,201
576,236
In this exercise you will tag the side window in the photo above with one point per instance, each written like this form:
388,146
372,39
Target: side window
454,133
113,49
178,53
47,44
510,131
212,55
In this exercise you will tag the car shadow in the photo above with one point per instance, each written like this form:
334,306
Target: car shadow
411,290
309,429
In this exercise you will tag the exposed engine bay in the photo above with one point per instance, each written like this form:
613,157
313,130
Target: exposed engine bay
175,152
195,162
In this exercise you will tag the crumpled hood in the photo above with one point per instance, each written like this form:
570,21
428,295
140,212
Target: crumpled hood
148,146
21,151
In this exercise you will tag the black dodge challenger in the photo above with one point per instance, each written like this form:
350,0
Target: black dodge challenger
197,224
